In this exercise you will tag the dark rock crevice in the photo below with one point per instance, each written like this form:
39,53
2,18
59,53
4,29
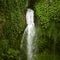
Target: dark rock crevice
31,3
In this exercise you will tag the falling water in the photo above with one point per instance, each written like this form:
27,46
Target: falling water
30,30
30,33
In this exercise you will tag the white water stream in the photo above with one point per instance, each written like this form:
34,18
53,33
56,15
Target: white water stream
30,30
30,33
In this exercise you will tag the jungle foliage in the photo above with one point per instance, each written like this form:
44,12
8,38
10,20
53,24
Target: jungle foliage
48,16
12,26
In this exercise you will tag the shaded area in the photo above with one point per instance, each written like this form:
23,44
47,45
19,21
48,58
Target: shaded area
31,3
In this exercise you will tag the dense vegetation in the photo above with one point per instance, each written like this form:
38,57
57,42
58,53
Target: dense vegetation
49,31
12,26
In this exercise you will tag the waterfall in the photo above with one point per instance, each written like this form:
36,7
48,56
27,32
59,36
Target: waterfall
30,30
30,33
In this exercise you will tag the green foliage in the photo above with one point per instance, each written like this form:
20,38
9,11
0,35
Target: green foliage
12,25
47,10
47,13
47,56
12,53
